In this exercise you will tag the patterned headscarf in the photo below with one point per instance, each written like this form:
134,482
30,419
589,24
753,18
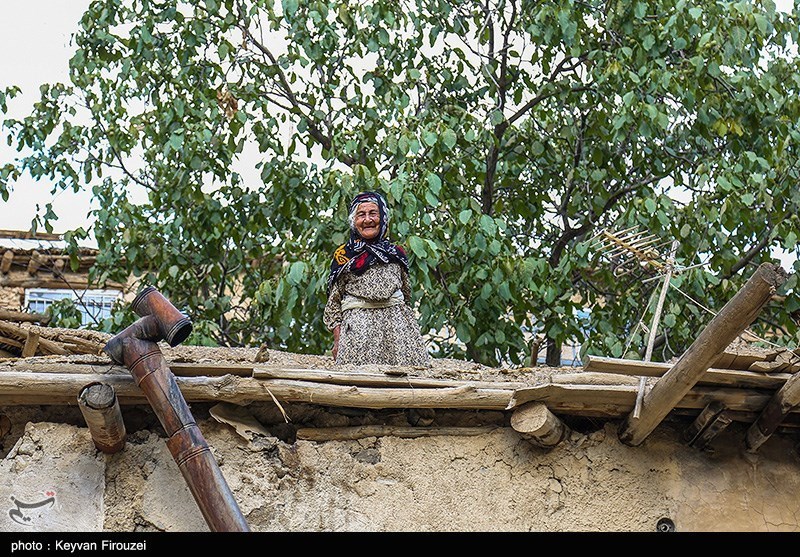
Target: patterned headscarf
358,255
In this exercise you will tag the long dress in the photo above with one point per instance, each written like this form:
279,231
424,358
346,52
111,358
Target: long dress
385,335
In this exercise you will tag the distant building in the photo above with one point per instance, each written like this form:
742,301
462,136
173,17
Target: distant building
35,271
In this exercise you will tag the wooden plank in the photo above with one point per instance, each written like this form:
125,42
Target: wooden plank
615,401
728,324
712,376
361,432
743,356
724,361
372,379
243,390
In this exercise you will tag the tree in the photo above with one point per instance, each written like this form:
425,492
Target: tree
505,134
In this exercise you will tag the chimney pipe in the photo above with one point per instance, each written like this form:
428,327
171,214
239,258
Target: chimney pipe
136,348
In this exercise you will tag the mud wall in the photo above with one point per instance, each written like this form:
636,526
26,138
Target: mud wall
495,482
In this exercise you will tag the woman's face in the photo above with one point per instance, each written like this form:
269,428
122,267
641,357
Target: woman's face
368,221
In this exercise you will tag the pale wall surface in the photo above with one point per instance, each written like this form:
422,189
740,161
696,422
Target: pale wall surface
495,482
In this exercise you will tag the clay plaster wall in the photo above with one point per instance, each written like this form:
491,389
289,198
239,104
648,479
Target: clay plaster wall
496,482
12,298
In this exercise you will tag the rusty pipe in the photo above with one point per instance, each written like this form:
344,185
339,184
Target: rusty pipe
136,348
186,442
159,320
173,325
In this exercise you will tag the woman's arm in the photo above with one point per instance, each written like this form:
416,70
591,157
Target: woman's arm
332,316
336,330
405,287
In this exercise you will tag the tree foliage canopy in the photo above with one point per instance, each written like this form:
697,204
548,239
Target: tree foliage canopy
506,134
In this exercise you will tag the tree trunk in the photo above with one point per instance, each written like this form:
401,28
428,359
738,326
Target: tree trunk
553,358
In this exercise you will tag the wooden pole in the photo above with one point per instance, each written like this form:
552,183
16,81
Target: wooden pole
21,333
373,379
100,408
31,344
360,432
5,264
542,426
708,424
778,407
729,323
712,376
651,341
9,315
243,390
34,263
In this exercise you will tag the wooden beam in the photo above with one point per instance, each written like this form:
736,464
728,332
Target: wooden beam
726,377
186,369
729,323
8,315
58,266
361,432
719,423
16,387
8,259
773,413
28,235
371,379
615,401
542,426
31,344
703,428
76,281
34,263
99,406
9,341
21,333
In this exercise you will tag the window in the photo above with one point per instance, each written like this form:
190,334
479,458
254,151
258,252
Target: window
94,305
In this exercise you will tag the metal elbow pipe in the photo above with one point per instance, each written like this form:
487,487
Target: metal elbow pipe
173,326
136,347
159,320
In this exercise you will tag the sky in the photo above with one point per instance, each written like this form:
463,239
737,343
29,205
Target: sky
35,47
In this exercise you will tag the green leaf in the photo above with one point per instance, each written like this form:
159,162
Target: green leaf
487,225
464,216
417,246
449,138
434,182
296,272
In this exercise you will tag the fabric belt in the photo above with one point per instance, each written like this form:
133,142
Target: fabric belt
352,302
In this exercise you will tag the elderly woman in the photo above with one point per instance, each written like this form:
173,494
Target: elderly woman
369,294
